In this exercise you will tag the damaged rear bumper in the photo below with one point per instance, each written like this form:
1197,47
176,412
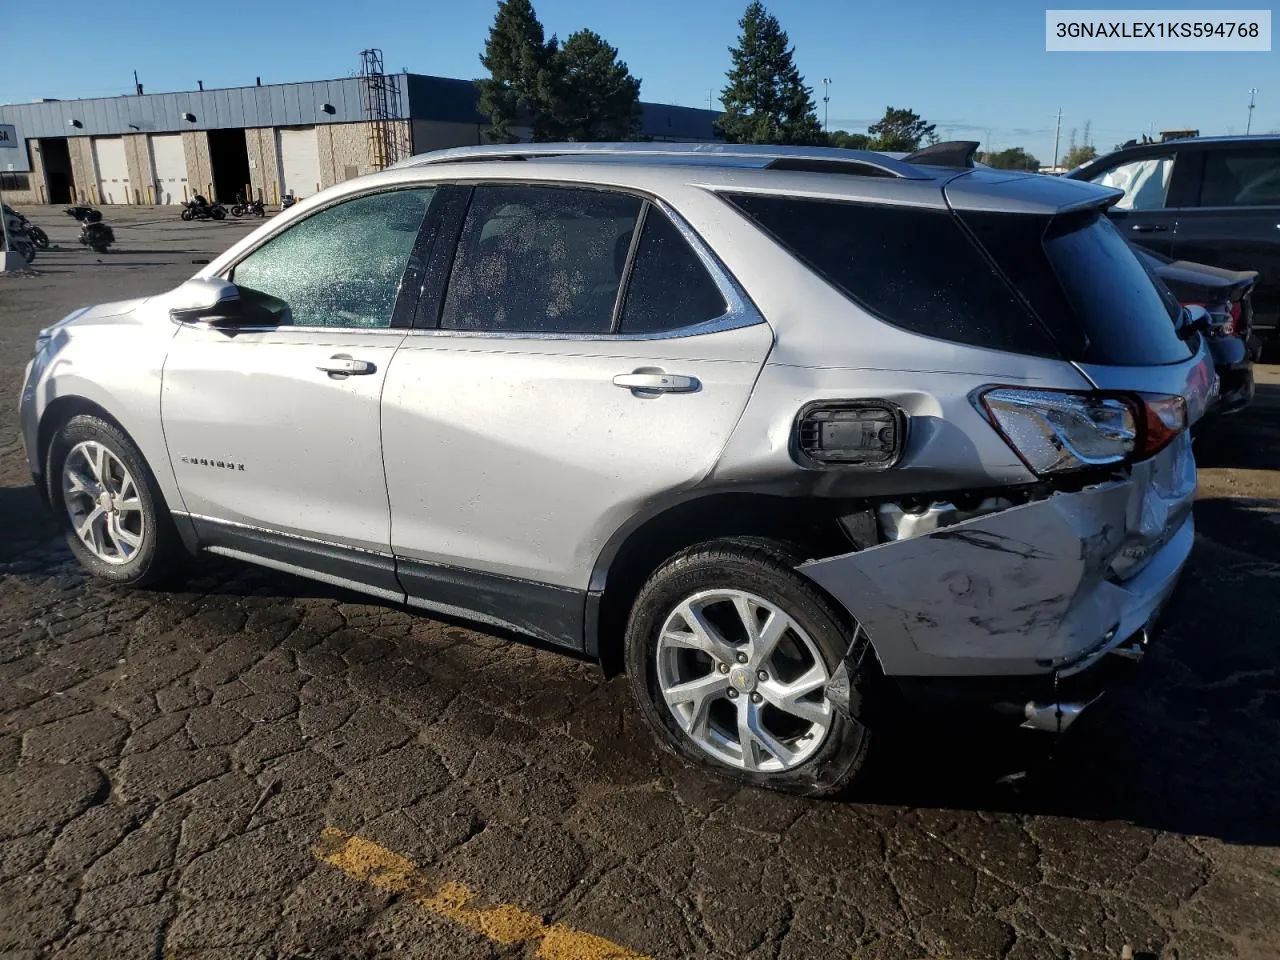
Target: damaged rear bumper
1022,606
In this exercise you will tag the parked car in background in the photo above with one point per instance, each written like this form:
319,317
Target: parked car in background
1208,200
770,428
1226,296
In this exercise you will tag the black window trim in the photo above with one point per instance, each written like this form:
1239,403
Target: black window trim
402,313
741,312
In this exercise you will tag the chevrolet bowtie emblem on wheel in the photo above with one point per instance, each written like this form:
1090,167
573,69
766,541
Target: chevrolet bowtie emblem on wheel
220,464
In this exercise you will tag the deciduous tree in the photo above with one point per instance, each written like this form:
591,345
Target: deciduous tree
901,130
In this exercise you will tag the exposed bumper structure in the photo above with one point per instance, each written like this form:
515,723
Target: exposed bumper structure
1048,588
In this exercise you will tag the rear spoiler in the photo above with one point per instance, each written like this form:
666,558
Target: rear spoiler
949,153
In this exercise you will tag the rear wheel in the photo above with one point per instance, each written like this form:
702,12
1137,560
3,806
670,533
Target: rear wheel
109,506
218,213
730,653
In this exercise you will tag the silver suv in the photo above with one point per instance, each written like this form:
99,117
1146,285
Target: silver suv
773,430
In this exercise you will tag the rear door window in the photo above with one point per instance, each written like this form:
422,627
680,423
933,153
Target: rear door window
912,267
1241,178
540,260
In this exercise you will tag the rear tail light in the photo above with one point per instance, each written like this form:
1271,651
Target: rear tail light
1233,324
1057,432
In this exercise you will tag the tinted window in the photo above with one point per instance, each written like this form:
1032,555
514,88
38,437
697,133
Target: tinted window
1145,182
914,268
340,267
669,287
1085,283
1241,178
540,260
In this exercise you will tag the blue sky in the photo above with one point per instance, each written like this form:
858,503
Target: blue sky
968,68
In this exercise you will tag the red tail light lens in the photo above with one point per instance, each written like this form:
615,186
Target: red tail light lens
1160,418
1234,323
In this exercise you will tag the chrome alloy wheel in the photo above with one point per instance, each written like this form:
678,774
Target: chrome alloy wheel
102,501
744,681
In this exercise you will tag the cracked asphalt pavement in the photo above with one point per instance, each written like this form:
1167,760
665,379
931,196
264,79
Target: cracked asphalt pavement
259,766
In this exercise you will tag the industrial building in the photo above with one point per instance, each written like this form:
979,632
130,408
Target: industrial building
267,140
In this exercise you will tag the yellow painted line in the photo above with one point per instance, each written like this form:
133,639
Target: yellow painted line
503,923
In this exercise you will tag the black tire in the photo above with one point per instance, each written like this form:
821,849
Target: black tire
38,237
238,211
26,249
186,213
161,556
767,569
218,213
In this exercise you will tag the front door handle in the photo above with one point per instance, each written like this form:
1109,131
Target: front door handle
1148,228
342,365
657,382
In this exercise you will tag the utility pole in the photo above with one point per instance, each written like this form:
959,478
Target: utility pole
826,101
1253,92
1056,131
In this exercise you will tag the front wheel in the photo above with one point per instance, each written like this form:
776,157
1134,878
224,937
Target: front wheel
38,237
186,213
109,506
729,654
238,211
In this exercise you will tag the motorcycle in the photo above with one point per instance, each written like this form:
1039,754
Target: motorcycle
34,233
94,234
84,214
242,207
198,208
19,240
287,201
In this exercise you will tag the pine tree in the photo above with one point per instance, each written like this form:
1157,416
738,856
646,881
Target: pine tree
518,58
902,130
766,100
595,97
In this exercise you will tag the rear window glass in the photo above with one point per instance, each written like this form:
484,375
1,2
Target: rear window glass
914,268
1085,282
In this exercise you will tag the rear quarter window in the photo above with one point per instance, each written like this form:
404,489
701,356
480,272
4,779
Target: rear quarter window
912,267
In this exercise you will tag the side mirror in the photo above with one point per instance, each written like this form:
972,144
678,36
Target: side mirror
206,300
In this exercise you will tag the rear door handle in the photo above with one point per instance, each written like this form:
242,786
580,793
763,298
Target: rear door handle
1148,228
657,382
344,366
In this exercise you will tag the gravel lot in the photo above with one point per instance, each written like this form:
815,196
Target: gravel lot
260,766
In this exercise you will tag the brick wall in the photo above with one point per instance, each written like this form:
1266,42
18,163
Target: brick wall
141,180
35,192
83,173
264,170
195,144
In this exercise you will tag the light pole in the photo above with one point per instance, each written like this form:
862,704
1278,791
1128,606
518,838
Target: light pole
1253,92
826,101
1056,131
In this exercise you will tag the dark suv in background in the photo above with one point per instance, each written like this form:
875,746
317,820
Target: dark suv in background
1211,200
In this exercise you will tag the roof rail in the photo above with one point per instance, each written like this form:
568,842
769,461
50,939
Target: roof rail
948,153
825,159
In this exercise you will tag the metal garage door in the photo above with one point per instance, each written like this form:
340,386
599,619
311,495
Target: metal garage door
169,162
299,161
113,170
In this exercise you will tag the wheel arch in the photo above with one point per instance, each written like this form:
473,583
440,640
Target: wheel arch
636,550
60,411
